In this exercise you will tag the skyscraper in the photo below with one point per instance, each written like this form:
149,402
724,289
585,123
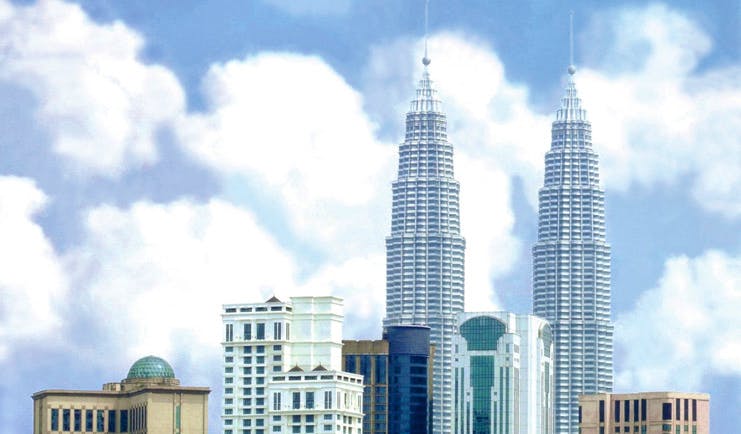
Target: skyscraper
571,263
424,254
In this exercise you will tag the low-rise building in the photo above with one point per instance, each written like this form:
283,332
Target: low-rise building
645,413
150,400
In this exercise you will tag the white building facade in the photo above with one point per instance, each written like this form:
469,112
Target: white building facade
571,262
503,374
282,369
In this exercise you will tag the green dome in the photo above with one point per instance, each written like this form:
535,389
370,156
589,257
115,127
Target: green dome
150,367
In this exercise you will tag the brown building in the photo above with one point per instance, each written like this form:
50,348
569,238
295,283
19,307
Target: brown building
645,413
397,379
149,401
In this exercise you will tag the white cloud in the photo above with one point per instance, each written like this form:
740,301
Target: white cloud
155,271
100,103
658,119
686,328
32,281
291,124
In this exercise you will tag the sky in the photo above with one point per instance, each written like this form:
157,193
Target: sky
160,159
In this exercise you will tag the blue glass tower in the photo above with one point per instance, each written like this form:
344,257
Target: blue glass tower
409,349
425,251
571,263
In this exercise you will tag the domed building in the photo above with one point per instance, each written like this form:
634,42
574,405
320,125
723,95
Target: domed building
149,400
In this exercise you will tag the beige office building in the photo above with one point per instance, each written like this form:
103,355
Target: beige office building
149,401
645,413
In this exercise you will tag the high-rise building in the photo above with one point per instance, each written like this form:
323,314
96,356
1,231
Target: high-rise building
571,262
282,369
645,413
503,374
397,379
424,253
149,400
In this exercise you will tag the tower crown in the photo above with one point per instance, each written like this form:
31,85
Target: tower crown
426,99
571,109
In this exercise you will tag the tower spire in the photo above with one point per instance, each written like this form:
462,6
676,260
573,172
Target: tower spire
426,60
572,67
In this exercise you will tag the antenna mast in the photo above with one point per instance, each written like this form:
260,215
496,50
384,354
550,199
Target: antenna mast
426,60
572,68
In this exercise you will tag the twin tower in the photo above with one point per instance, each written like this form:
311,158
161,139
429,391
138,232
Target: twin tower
571,258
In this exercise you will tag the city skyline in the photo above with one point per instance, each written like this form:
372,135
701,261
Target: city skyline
161,161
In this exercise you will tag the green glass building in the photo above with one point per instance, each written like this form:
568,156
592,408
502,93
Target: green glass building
503,374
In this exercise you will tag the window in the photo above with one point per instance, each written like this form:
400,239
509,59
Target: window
296,400
229,332
694,410
327,400
276,401
635,410
247,332
247,349
579,412
309,428
55,419
99,421
125,419
65,420
627,411
229,349
296,418
309,400
380,373
277,347
260,349
247,360
277,331
276,428
643,409
228,359
296,429
676,408
78,420
666,411
686,410
260,334
288,331
277,358
617,410
602,411
111,420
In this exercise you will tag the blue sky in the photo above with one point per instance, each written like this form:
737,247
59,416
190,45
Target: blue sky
159,159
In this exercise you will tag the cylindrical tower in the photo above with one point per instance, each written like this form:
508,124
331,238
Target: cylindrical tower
425,251
571,263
